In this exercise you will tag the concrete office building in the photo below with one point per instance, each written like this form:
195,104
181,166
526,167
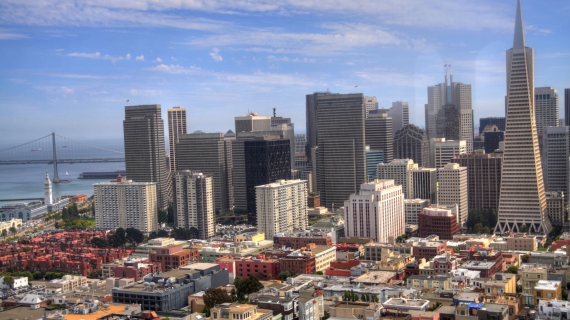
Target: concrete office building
412,209
446,94
377,212
252,122
556,164
210,154
341,155
281,207
194,202
266,160
311,118
400,170
556,207
452,189
442,151
370,103
425,183
410,142
176,128
143,130
373,158
379,134
522,199
500,122
483,179
567,107
126,204
400,114
545,108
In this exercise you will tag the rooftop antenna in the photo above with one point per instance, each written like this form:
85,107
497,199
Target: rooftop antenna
274,113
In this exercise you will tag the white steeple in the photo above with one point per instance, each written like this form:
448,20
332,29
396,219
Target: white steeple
47,190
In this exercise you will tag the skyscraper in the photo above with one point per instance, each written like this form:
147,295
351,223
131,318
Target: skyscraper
370,103
341,157
400,114
483,178
442,151
400,170
522,200
176,128
567,107
143,129
446,94
545,108
210,154
288,130
452,189
194,202
311,115
500,122
411,142
281,207
556,164
377,212
378,128
424,182
252,122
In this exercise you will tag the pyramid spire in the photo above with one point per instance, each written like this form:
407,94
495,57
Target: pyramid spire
519,41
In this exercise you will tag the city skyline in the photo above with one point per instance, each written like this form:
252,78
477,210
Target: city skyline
65,64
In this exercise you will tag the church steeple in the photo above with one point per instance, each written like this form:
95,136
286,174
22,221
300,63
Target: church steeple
519,41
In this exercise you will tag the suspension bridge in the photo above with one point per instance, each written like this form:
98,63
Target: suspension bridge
54,149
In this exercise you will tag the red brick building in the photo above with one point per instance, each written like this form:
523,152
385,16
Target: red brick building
298,240
298,265
171,257
135,270
259,266
438,221
429,249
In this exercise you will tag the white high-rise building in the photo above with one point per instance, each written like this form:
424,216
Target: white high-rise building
126,204
442,151
176,128
400,114
370,103
400,170
522,200
413,207
48,197
425,183
377,212
281,206
194,202
545,108
452,189
556,164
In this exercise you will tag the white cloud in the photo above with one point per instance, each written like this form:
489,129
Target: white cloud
140,58
62,90
174,69
81,76
145,93
286,59
215,54
173,59
98,55
9,35
58,50
158,60
128,57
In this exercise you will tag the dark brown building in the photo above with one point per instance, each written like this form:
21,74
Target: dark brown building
438,221
298,240
483,179
298,265
313,201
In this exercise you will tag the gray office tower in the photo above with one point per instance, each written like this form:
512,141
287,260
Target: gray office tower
266,160
378,128
143,130
400,114
555,162
341,155
567,107
311,118
545,108
500,122
411,142
210,154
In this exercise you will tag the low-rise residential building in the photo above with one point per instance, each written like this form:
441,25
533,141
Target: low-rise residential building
530,276
311,305
440,282
487,268
500,284
322,255
405,305
547,290
354,310
135,270
278,298
239,311
297,240
554,259
444,264
521,242
428,249
66,284
211,251
173,257
373,251
19,282
143,250
259,266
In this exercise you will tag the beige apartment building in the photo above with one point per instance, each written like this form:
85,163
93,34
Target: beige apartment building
66,284
521,242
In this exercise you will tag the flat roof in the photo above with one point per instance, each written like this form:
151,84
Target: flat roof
375,277
199,266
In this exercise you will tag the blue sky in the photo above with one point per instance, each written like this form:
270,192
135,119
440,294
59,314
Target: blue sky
69,66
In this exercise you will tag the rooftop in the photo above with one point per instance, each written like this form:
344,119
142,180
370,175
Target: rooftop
378,277
400,302
547,285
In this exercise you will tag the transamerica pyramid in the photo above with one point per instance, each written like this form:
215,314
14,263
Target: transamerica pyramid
522,200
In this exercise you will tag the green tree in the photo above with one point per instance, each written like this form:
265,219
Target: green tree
99,243
170,214
283,275
162,216
181,234
13,230
245,286
523,228
318,272
326,316
214,296
119,238
8,280
194,233
134,235
512,269
4,234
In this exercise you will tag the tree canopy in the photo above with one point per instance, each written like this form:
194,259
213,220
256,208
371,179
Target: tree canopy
214,296
245,286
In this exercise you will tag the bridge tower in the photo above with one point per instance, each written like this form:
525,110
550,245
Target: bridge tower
55,175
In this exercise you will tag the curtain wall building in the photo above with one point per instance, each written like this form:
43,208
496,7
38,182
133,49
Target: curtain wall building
379,136
145,158
411,142
311,118
522,199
